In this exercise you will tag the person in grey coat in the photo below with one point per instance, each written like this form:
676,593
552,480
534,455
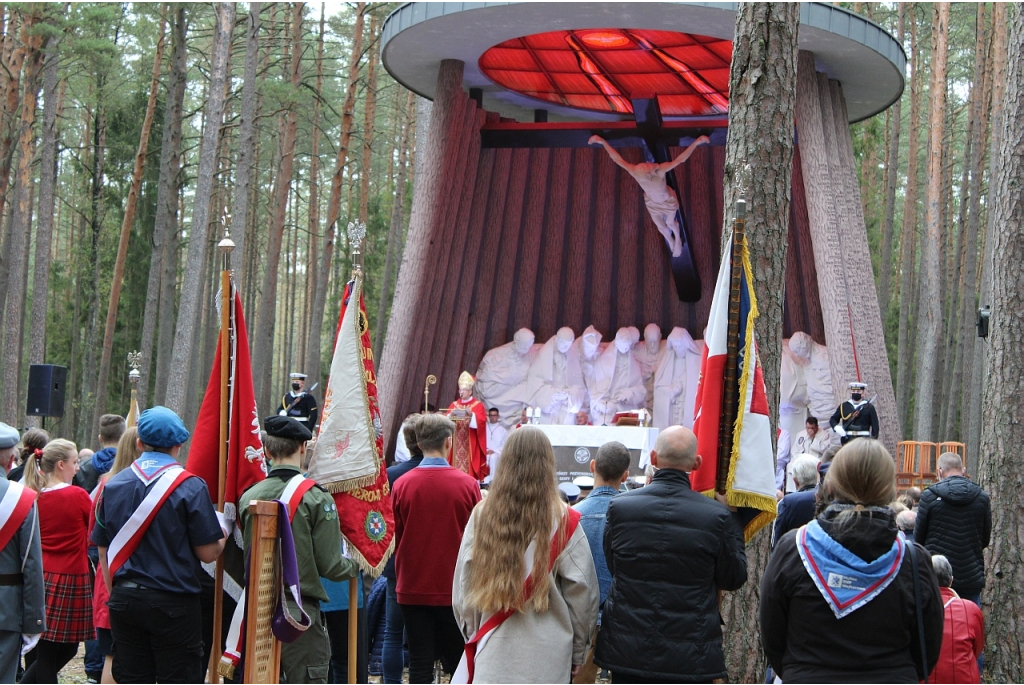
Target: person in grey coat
22,595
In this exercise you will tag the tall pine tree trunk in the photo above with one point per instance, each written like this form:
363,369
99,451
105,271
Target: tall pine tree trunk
126,225
21,210
313,215
334,203
246,144
189,308
263,345
165,222
892,160
908,239
1003,431
762,105
929,319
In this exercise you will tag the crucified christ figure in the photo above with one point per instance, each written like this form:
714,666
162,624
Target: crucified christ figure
661,200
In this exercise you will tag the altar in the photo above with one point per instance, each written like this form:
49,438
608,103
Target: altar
575,446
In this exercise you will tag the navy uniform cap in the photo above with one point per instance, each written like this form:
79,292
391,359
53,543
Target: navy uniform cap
286,427
161,427
8,436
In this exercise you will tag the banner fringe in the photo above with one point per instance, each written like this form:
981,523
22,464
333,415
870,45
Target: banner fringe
340,486
364,565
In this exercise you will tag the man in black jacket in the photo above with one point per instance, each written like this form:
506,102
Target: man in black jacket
669,549
955,519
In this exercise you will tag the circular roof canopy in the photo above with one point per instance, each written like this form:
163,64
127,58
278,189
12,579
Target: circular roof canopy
583,61
601,70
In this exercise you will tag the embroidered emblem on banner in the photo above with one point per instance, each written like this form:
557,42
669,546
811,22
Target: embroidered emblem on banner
376,526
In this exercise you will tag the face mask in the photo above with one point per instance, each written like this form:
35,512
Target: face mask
295,387
856,397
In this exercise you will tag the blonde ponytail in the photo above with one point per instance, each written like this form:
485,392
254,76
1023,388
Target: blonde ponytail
42,462
33,477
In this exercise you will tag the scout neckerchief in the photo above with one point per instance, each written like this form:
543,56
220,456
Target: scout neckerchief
846,581
465,671
165,475
14,509
295,489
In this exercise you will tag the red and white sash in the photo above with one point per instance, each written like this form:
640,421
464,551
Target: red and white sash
128,538
467,665
294,491
14,508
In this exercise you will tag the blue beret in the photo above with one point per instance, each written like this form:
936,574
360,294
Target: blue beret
8,436
161,427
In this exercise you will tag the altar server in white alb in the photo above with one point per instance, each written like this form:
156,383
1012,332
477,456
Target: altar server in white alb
555,382
22,593
496,436
675,380
501,378
619,384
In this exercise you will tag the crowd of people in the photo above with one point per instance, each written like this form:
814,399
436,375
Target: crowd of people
505,583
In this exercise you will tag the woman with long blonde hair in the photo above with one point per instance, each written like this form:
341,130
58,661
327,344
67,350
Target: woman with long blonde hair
63,523
525,593
127,452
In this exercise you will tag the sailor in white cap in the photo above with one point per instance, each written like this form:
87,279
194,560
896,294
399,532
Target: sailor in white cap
299,404
856,417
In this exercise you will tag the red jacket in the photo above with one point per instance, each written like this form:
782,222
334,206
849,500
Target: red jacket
963,638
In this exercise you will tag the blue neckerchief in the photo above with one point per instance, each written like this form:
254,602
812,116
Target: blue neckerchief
150,465
433,462
846,581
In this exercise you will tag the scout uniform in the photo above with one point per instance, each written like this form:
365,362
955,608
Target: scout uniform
22,593
317,533
155,614
856,417
299,404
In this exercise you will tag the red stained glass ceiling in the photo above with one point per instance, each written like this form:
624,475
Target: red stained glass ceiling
602,69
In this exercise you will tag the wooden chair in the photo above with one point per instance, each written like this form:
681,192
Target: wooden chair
915,464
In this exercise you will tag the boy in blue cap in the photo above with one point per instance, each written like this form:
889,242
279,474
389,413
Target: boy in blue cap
153,521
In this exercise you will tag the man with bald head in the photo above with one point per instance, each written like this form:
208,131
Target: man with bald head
669,550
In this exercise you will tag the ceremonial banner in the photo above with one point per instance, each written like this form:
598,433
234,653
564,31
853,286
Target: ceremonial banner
348,458
750,484
245,460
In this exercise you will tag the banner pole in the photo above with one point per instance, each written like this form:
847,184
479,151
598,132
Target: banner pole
353,629
730,394
226,246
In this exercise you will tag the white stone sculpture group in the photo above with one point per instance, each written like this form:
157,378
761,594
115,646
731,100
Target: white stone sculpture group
568,375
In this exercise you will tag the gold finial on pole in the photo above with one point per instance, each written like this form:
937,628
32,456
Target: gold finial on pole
356,238
431,380
134,360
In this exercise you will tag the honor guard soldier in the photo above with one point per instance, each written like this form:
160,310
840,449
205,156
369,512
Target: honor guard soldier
317,534
299,404
154,523
856,417
22,593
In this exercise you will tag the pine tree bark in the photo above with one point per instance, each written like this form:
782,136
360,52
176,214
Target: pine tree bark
313,364
762,106
1003,431
126,224
929,320
188,307
21,209
369,113
246,145
263,345
10,82
1000,55
165,221
395,231
908,239
313,215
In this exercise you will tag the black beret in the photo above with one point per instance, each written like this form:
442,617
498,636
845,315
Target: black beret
286,427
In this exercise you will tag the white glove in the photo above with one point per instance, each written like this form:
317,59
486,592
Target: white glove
840,431
28,642
226,524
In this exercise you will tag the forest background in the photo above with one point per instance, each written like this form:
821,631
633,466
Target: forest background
111,173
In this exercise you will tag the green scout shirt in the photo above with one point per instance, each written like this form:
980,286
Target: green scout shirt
315,528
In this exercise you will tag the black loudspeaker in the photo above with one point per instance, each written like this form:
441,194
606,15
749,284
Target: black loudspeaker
46,390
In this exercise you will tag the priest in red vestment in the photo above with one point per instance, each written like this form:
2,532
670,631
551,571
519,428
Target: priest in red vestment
469,448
